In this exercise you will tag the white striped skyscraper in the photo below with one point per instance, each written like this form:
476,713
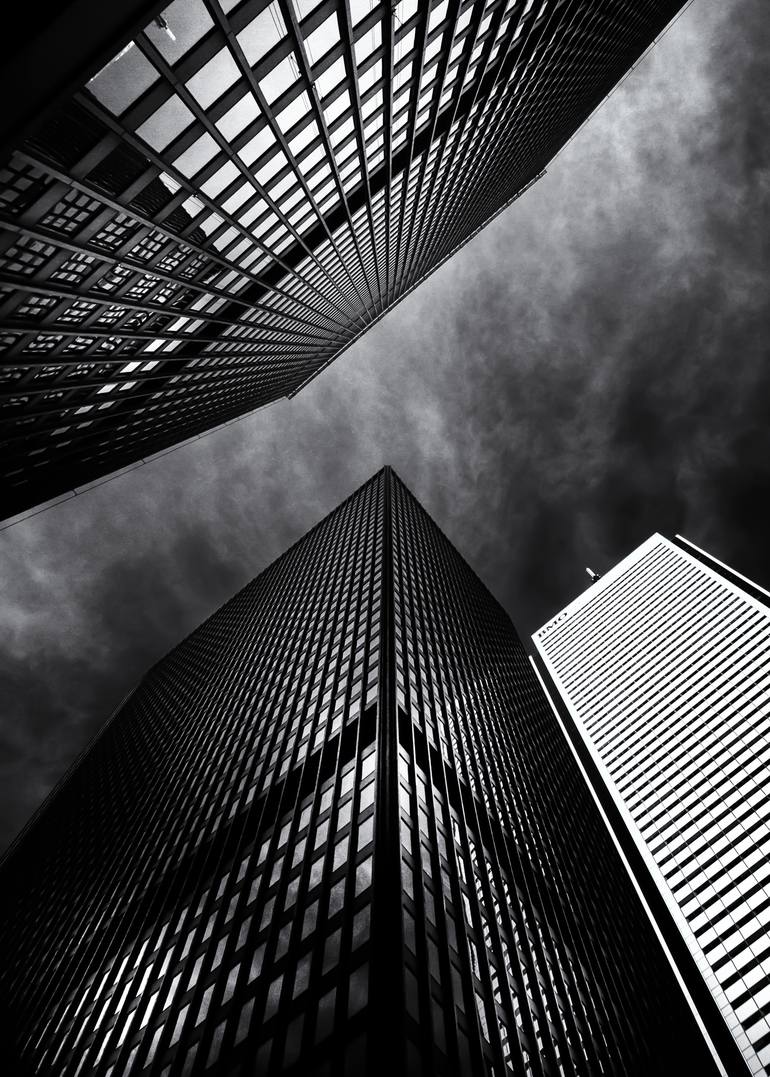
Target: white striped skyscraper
663,667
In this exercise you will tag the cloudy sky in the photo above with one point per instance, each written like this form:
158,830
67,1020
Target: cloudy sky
591,368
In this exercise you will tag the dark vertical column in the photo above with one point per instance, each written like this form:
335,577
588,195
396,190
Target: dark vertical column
386,999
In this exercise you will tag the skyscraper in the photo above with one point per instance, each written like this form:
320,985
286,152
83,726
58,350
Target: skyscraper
663,666
244,188
336,830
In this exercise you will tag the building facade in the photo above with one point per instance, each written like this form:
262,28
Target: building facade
663,666
244,188
335,831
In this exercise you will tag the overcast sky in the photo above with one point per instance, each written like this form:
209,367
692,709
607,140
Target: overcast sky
588,370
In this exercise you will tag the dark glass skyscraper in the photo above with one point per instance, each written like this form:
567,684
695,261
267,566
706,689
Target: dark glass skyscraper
335,831
246,187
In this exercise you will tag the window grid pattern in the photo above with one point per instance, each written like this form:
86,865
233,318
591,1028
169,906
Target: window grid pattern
226,916
211,888
247,187
665,668
508,968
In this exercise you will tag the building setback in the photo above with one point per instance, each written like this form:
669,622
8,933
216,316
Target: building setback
337,830
662,671
245,188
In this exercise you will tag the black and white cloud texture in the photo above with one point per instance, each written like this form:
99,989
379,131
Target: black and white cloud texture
588,370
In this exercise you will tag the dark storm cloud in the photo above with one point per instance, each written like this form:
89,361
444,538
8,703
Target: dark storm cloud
591,368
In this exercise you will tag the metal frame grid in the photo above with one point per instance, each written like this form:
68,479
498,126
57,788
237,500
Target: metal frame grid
327,835
213,851
512,962
218,214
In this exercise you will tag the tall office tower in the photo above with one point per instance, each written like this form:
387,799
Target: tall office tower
244,188
663,670
336,831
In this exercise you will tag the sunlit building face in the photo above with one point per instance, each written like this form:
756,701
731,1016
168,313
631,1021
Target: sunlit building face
664,665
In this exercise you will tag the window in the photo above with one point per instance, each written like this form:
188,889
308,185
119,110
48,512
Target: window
277,81
273,997
293,1041
262,34
325,1015
124,79
216,76
166,123
332,951
302,975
